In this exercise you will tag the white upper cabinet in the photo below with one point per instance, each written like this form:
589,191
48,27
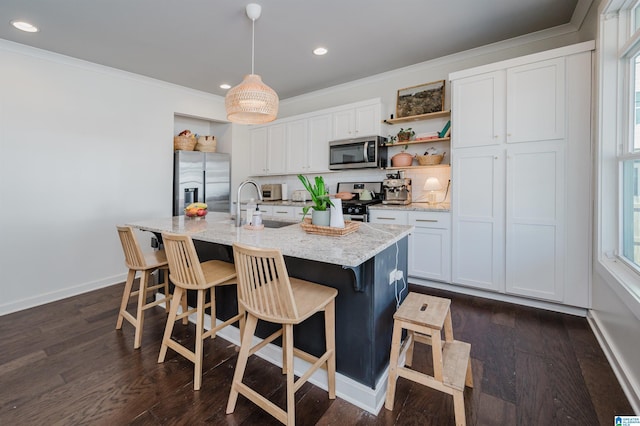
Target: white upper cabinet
519,104
258,150
300,144
536,101
318,143
268,150
277,154
356,121
479,109
297,146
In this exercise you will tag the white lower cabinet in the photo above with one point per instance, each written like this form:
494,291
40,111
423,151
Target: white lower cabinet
430,246
429,243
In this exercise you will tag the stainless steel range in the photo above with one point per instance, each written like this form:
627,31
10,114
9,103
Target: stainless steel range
365,194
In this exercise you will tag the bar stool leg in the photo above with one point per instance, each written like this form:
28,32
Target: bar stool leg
142,298
197,375
178,295
126,294
243,356
212,297
393,365
183,304
409,357
291,399
458,407
330,334
285,363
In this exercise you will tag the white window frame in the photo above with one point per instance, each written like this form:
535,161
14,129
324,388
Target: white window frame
614,126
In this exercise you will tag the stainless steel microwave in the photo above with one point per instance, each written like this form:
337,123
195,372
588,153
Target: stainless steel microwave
358,153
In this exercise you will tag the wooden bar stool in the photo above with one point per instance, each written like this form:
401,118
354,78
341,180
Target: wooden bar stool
268,293
424,317
146,263
187,273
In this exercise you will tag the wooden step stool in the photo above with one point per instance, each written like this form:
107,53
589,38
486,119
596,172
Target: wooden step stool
424,317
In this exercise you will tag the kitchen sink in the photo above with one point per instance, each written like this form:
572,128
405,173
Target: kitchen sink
275,223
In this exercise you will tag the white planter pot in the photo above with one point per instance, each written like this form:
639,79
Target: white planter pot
321,218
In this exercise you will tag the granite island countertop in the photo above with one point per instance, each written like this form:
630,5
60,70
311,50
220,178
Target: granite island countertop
348,250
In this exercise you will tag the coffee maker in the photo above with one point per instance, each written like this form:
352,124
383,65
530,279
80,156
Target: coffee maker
396,190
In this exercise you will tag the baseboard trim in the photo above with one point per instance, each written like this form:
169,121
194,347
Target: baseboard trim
620,369
41,299
362,396
534,303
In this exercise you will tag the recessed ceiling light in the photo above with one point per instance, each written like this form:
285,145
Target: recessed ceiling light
225,86
320,51
25,26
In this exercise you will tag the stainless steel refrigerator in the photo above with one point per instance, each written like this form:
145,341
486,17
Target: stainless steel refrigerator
201,177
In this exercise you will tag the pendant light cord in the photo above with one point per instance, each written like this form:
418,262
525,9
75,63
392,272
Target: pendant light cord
253,42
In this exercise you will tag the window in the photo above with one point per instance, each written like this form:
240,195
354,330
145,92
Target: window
630,155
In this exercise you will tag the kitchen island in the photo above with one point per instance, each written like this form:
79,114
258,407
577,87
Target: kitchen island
357,265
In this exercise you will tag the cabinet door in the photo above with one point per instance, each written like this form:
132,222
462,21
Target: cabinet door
536,101
430,246
478,218
258,151
318,146
297,143
367,120
535,252
277,153
343,122
478,110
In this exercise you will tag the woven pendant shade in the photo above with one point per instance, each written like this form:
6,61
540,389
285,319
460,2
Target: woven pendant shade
251,102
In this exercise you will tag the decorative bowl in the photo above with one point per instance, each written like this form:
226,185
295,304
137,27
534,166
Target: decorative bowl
402,159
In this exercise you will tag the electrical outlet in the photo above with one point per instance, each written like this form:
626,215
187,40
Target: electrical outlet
399,275
392,276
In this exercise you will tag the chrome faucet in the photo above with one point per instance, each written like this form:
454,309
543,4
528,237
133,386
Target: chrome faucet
238,218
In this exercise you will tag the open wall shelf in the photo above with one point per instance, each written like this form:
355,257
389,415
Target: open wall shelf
417,117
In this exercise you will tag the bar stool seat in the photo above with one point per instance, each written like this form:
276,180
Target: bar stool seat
188,273
146,263
424,317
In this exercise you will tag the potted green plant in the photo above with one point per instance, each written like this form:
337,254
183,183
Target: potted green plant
405,134
321,201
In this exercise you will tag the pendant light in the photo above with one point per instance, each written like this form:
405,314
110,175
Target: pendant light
252,101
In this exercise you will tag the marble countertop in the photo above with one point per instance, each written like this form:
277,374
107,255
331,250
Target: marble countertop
348,250
416,207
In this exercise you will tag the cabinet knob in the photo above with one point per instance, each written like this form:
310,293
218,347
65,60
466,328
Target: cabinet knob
495,136
495,158
508,135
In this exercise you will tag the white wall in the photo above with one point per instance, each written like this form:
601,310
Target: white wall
82,148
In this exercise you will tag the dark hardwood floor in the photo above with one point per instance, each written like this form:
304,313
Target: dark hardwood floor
64,363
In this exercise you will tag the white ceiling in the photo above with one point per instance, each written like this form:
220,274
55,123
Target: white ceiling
202,44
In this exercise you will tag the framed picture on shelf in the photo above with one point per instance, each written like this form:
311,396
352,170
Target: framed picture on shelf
421,99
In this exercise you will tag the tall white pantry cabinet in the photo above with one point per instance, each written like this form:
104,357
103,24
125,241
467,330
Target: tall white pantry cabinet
521,176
